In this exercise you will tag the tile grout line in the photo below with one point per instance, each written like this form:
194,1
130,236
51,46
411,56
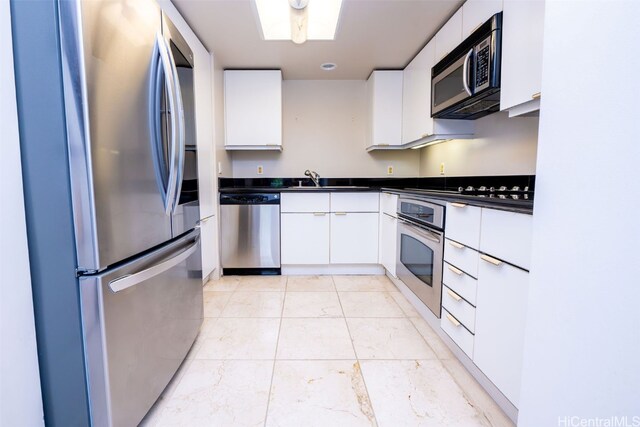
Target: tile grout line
275,355
355,353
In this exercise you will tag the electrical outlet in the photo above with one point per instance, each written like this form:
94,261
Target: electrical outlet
260,170
441,168
389,170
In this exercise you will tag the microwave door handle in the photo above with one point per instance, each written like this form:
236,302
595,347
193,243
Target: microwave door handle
465,72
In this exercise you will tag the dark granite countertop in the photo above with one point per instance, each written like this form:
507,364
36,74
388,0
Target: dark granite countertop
519,206
304,189
448,189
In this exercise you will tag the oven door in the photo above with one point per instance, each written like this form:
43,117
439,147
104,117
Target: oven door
419,262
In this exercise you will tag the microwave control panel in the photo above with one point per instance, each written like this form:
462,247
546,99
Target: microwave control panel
483,62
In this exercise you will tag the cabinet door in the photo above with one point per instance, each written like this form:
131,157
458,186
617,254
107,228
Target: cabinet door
304,238
500,324
523,26
449,36
253,108
388,242
416,96
385,96
476,13
354,238
389,204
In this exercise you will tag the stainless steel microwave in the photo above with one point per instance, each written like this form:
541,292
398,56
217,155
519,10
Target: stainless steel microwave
465,84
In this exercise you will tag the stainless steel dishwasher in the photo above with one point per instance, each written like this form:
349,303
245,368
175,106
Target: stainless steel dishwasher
250,233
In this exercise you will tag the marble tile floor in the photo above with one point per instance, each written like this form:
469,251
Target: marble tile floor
318,351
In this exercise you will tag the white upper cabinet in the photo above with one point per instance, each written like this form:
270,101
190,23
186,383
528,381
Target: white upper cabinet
253,109
522,34
417,124
476,13
416,96
449,36
384,94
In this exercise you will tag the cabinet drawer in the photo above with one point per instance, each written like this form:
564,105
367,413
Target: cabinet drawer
458,333
304,202
507,235
463,224
389,204
462,257
463,284
459,308
355,202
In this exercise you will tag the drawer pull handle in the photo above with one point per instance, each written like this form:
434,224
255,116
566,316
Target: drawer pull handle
456,244
458,205
319,214
536,95
490,260
455,270
453,320
454,295
340,213
425,135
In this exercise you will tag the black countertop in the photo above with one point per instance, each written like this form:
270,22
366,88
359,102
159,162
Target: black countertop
507,204
519,206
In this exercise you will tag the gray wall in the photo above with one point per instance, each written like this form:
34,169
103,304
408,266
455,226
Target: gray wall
502,146
324,130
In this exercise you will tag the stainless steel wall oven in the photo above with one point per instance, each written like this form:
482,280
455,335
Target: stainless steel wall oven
420,249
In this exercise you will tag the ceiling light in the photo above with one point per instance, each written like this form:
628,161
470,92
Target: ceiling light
328,66
279,17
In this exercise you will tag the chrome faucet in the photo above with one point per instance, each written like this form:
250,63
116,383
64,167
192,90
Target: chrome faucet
314,177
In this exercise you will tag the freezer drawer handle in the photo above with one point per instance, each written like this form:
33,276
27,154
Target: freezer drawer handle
129,280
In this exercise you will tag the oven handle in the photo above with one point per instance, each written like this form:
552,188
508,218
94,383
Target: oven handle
465,72
427,234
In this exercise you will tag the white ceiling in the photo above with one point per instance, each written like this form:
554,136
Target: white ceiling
372,34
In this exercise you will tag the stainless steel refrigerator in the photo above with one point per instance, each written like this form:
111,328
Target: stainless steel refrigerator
122,100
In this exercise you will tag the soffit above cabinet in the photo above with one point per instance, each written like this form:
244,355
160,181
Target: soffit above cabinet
371,34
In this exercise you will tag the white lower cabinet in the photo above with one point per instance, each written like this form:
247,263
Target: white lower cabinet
354,238
304,238
500,324
388,242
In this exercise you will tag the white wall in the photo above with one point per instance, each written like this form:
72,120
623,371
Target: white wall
223,157
20,397
324,130
502,146
582,341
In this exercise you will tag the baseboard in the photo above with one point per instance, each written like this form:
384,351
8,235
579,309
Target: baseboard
328,269
505,404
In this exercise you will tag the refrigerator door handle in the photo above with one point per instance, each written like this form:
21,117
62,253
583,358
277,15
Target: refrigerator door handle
179,153
155,124
174,113
129,280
